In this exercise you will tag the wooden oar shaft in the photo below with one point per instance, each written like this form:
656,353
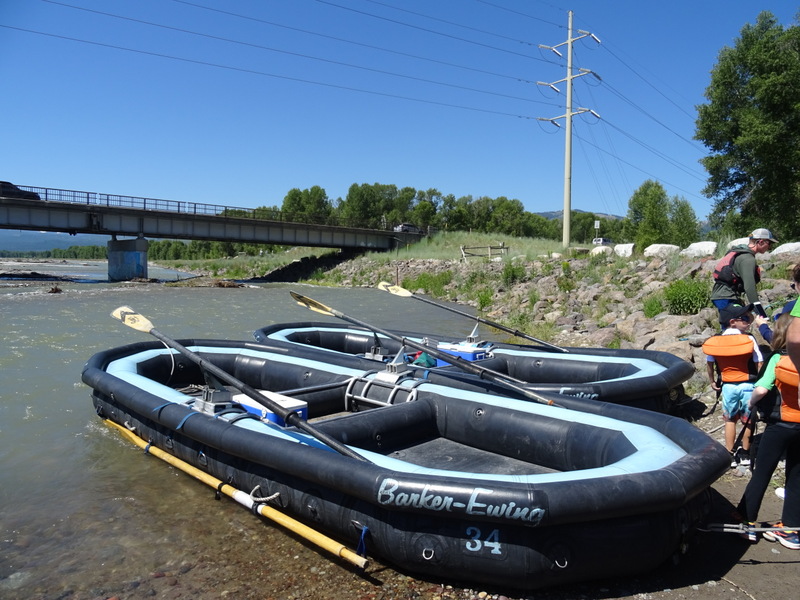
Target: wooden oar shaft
244,499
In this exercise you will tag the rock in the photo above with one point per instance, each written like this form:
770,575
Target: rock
606,250
661,250
700,249
678,348
603,338
790,248
738,242
624,250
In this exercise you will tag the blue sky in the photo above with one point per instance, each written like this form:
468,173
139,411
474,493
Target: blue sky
236,102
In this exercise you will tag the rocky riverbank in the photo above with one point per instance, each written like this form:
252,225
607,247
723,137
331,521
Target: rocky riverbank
591,302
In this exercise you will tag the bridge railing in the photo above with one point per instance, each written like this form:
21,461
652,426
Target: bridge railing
193,208
176,206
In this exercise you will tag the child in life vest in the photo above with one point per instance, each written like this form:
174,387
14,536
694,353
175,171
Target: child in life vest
734,360
780,438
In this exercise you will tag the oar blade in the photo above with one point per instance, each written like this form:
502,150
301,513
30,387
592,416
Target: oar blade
132,319
394,289
312,304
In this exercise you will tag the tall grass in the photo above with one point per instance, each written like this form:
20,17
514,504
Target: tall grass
447,246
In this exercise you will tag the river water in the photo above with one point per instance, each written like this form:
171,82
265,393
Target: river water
85,514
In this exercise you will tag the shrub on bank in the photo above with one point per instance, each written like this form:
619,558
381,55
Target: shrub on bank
687,296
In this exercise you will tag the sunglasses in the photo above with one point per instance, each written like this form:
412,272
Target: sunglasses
744,319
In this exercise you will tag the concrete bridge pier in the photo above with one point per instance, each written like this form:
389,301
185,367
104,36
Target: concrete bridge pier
127,259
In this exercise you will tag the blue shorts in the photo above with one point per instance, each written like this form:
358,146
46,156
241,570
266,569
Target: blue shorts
736,401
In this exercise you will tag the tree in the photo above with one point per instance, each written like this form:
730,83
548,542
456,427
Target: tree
582,227
311,205
542,227
362,207
507,216
684,228
751,125
648,220
456,215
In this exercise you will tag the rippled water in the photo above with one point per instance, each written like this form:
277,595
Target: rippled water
85,514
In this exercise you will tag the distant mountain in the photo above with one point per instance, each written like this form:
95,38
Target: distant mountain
39,241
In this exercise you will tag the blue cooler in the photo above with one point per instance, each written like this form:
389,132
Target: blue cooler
465,350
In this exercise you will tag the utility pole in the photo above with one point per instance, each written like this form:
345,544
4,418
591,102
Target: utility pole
567,116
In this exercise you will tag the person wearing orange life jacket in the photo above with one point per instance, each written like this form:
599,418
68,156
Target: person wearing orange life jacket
734,360
781,437
793,337
737,273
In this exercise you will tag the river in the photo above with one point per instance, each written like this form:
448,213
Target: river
87,515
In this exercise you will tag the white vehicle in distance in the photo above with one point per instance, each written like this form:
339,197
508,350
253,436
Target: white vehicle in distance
602,242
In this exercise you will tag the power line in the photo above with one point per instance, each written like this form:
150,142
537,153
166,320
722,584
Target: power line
297,54
658,153
352,42
522,14
434,32
467,27
655,177
265,74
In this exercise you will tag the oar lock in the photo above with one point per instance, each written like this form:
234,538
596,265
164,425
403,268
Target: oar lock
213,402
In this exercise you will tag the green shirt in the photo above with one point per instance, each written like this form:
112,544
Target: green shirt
768,378
796,310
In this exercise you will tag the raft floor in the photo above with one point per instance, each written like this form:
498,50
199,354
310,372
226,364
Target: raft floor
441,453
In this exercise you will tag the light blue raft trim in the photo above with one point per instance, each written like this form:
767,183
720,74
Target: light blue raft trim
654,450
646,368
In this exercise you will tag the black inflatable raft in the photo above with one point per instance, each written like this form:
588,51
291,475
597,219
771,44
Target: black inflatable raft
446,482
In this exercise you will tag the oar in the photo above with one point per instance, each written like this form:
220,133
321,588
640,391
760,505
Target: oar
134,320
457,361
243,498
404,293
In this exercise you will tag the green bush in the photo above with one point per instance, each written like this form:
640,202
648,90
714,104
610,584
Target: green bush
484,297
512,273
653,305
565,282
433,284
687,296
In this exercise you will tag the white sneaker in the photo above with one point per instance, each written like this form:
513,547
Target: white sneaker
780,493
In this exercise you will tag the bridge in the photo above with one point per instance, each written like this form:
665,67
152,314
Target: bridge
90,212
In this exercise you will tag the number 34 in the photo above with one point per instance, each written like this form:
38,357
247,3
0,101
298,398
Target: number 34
477,542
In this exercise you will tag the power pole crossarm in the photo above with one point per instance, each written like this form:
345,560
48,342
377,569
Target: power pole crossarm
567,116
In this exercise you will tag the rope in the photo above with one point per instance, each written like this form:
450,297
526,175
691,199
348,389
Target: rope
740,528
186,418
361,550
259,499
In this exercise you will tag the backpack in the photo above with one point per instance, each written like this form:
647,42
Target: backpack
724,273
734,357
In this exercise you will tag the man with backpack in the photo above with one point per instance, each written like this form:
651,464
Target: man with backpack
737,273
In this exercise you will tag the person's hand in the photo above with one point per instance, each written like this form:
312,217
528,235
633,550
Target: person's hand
715,386
759,320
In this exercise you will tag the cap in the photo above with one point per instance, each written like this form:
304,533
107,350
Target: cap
733,311
763,234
